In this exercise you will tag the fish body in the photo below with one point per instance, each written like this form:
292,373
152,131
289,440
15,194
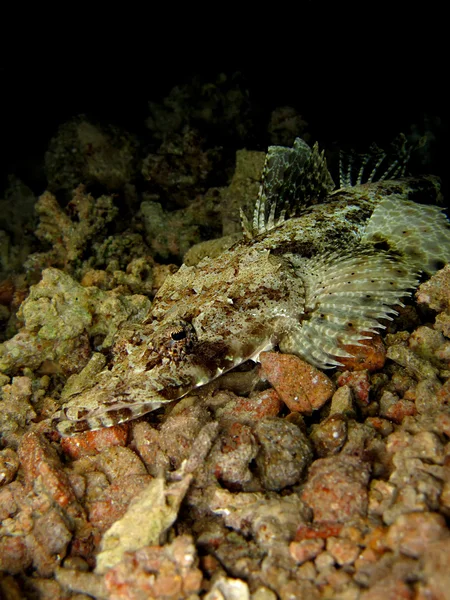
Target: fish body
316,271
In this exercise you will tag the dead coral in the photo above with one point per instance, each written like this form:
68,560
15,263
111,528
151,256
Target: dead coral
17,219
69,231
217,107
84,152
180,169
171,234
59,315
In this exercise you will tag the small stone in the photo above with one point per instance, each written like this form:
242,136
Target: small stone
232,454
429,396
344,551
359,383
329,436
248,410
263,593
226,588
91,443
412,533
8,505
302,387
424,341
415,366
324,561
117,462
381,497
306,549
285,453
51,531
336,489
112,504
442,323
14,555
381,426
342,401
43,470
399,410
9,463
389,588
313,531
435,292
370,356
436,567
168,572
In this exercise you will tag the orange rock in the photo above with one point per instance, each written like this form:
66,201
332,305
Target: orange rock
401,409
302,387
324,530
371,355
266,403
93,442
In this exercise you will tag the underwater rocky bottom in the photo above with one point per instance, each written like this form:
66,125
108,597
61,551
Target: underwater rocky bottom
274,482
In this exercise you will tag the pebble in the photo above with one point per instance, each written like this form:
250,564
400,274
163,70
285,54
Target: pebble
302,387
9,463
305,550
336,489
91,443
285,453
329,436
412,533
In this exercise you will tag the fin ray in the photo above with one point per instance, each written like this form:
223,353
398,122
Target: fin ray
292,178
376,164
347,294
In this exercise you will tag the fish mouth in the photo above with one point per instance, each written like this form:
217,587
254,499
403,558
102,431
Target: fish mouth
125,394
95,410
121,397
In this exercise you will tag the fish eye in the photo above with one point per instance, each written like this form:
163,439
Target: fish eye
175,340
178,335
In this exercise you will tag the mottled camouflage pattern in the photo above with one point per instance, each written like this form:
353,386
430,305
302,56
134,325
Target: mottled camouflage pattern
314,274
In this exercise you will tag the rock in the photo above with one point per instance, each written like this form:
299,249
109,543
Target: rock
329,436
285,453
344,551
436,568
157,572
302,387
411,534
435,292
336,489
93,442
306,549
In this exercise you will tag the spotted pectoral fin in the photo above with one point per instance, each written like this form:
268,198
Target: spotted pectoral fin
346,296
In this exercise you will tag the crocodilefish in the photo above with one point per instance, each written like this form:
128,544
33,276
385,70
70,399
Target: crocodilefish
318,269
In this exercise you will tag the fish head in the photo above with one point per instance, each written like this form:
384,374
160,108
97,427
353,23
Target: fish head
184,345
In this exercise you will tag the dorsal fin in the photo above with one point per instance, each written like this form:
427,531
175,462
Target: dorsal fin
292,179
375,164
